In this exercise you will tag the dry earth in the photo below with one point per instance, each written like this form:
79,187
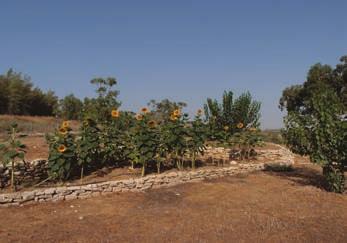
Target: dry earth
260,207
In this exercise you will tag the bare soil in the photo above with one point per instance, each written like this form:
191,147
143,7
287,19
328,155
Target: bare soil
259,207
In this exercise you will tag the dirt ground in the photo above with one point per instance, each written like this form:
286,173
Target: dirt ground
259,207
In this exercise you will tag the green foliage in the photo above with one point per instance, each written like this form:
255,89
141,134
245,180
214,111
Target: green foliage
12,150
231,112
88,149
315,126
196,138
19,97
70,108
114,138
161,111
99,108
175,135
62,159
245,140
146,141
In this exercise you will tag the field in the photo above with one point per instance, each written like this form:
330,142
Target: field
289,206
264,206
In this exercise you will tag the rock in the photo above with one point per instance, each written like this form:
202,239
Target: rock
233,162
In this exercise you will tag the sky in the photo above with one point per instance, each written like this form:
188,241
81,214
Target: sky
182,50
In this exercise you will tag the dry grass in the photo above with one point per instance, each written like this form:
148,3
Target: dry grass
32,124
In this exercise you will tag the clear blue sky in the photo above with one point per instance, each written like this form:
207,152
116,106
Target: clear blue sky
184,50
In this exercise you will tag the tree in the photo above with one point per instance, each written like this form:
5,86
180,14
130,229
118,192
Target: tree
315,123
231,112
70,107
99,108
18,96
161,110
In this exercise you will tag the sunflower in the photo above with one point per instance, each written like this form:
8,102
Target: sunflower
62,148
239,125
65,124
144,110
151,123
173,117
63,130
226,128
139,117
115,113
199,112
176,112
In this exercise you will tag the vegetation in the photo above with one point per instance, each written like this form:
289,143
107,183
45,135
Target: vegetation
316,123
19,97
12,150
225,117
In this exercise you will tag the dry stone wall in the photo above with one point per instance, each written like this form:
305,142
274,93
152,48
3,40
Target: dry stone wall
24,172
282,156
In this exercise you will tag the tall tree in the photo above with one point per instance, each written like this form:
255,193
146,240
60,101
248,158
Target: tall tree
315,123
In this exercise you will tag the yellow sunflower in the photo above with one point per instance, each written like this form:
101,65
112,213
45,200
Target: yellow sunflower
144,110
115,113
139,117
176,112
173,117
65,124
62,148
226,128
63,130
239,125
151,123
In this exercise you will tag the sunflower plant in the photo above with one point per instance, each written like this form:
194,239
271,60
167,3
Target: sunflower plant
62,152
88,149
175,135
146,140
245,140
113,139
12,150
196,137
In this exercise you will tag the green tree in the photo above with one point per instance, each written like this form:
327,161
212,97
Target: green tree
70,107
229,113
18,96
315,123
99,108
161,110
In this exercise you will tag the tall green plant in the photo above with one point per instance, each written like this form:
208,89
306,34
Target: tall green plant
175,135
230,112
196,137
12,150
315,124
88,148
146,140
62,159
